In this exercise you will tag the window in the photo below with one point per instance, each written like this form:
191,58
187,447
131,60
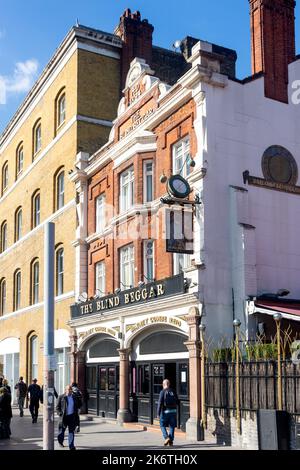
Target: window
4,181
100,278
3,240
60,271
60,189
34,357
17,290
149,260
2,297
37,138
181,153
61,110
181,262
126,189
36,209
18,224
148,181
35,282
19,160
127,267
100,213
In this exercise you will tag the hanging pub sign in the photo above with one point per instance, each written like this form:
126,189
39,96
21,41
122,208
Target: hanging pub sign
179,230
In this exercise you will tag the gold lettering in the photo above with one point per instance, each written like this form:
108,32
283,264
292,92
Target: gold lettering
98,305
111,302
126,298
160,290
131,296
117,301
138,295
151,292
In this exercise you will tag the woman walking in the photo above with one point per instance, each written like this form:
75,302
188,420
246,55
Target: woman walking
5,413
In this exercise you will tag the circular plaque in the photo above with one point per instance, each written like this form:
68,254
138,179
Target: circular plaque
279,166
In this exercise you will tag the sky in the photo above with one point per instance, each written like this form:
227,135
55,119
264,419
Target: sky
31,30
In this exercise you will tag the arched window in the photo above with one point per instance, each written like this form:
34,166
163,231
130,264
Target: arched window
2,297
60,108
18,224
34,357
35,282
60,271
19,160
59,182
3,235
17,289
37,137
36,209
4,178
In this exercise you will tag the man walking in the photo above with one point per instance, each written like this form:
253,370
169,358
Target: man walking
78,393
167,412
68,408
34,391
21,388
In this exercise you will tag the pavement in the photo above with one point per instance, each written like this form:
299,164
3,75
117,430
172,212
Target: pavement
95,434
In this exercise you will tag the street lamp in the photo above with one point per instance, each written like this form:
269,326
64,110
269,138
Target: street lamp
203,408
278,317
237,324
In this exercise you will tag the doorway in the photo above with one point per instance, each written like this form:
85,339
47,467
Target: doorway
103,388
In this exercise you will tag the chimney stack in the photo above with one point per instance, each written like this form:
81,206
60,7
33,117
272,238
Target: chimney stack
273,43
136,35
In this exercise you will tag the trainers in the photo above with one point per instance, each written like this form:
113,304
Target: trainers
167,441
78,429
170,443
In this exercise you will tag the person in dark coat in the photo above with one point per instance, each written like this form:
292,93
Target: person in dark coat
5,384
5,413
79,395
68,407
21,388
34,391
167,412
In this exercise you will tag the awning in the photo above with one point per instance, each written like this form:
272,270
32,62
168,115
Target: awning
9,346
288,309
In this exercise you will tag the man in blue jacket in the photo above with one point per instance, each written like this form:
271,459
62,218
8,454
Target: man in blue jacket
167,412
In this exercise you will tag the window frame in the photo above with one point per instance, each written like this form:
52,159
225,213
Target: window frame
126,202
4,178
102,289
58,194
34,295
59,274
122,265
34,355
100,226
3,239
145,259
187,259
185,168
36,196
20,149
37,140
60,98
3,298
17,290
147,173
18,224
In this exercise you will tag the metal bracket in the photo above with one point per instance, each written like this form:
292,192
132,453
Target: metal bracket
172,200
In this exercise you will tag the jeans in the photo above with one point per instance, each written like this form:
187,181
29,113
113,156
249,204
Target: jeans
21,401
69,422
34,408
168,420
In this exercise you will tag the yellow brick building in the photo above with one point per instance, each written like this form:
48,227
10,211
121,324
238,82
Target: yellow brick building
69,110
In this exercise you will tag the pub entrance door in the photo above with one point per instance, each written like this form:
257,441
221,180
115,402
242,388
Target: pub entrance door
103,389
149,384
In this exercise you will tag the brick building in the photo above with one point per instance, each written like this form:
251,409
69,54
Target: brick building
235,142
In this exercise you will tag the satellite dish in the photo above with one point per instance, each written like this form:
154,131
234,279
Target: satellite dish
177,44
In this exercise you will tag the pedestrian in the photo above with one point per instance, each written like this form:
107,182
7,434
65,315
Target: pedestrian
1,381
68,408
34,391
21,388
42,394
5,384
5,413
79,395
167,412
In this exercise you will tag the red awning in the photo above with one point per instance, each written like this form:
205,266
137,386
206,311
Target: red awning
289,310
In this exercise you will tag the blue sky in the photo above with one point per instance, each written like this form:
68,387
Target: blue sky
31,30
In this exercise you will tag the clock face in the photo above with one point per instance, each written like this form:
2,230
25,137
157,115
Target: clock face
178,187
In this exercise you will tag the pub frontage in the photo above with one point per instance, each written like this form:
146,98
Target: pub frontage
129,343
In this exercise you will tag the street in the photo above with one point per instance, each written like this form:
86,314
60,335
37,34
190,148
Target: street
95,434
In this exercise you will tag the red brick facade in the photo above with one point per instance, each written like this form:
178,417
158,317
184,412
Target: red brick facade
273,43
171,130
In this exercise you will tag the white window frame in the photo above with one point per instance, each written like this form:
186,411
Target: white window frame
36,211
3,297
4,177
126,197
60,272
18,290
35,282
19,223
146,257
20,160
100,278
127,261
60,190
146,174
180,152
37,138
100,213
61,111
186,262
34,357
3,237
